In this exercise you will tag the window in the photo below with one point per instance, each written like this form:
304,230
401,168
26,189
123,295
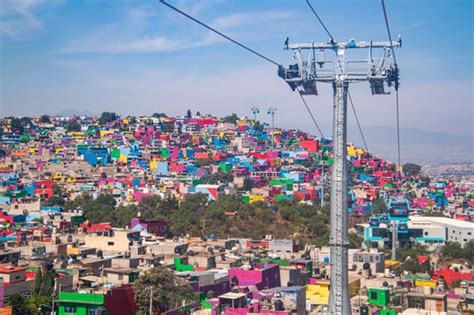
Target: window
70,309
110,243
426,233
468,233
120,276
91,311
373,295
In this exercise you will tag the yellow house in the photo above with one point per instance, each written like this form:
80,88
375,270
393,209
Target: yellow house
425,283
353,151
58,177
58,150
123,158
256,198
34,151
391,264
77,135
104,133
318,293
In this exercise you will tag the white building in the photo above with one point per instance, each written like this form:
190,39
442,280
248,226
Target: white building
442,229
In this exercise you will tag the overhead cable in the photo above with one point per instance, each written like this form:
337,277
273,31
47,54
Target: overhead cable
311,114
220,33
396,85
320,21
357,120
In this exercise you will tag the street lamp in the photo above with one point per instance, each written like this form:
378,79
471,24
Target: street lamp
255,111
272,111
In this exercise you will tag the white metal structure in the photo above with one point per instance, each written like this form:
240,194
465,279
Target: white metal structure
303,77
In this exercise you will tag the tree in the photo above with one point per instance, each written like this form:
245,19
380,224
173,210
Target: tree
159,115
107,117
232,119
17,302
412,251
189,114
468,250
73,126
167,290
411,169
355,241
379,206
16,125
45,119
452,250
55,201
56,189
38,281
34,302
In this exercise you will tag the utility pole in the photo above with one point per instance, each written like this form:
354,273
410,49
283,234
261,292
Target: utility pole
303,77
151,300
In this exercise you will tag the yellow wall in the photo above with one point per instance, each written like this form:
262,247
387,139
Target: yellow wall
256,198
318,294
425,283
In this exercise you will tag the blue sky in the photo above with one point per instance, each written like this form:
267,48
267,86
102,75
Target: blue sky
139,57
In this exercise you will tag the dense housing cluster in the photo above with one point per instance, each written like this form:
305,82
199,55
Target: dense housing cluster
199,214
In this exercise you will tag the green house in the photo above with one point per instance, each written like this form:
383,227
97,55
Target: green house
71,303
379,296
179,266
388,312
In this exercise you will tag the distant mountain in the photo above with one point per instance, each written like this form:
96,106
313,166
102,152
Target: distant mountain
418,146
74,112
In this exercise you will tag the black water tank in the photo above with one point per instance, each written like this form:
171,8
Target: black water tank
366,266
279,305
364,310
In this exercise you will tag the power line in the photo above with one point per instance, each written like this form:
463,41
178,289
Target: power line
396,83
311,114
320,21
350,98
219,33
357,120
388,31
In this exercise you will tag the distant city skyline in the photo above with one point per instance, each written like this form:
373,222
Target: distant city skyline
138,57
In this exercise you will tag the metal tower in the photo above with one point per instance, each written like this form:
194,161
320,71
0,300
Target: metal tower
303,76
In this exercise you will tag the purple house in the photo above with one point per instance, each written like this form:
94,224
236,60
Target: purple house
261,275
158,227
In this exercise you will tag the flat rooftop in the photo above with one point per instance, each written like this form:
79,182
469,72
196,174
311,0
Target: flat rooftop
443,221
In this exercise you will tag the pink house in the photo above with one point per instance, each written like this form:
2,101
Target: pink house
263,276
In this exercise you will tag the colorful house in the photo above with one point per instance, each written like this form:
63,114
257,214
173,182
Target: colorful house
81,304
